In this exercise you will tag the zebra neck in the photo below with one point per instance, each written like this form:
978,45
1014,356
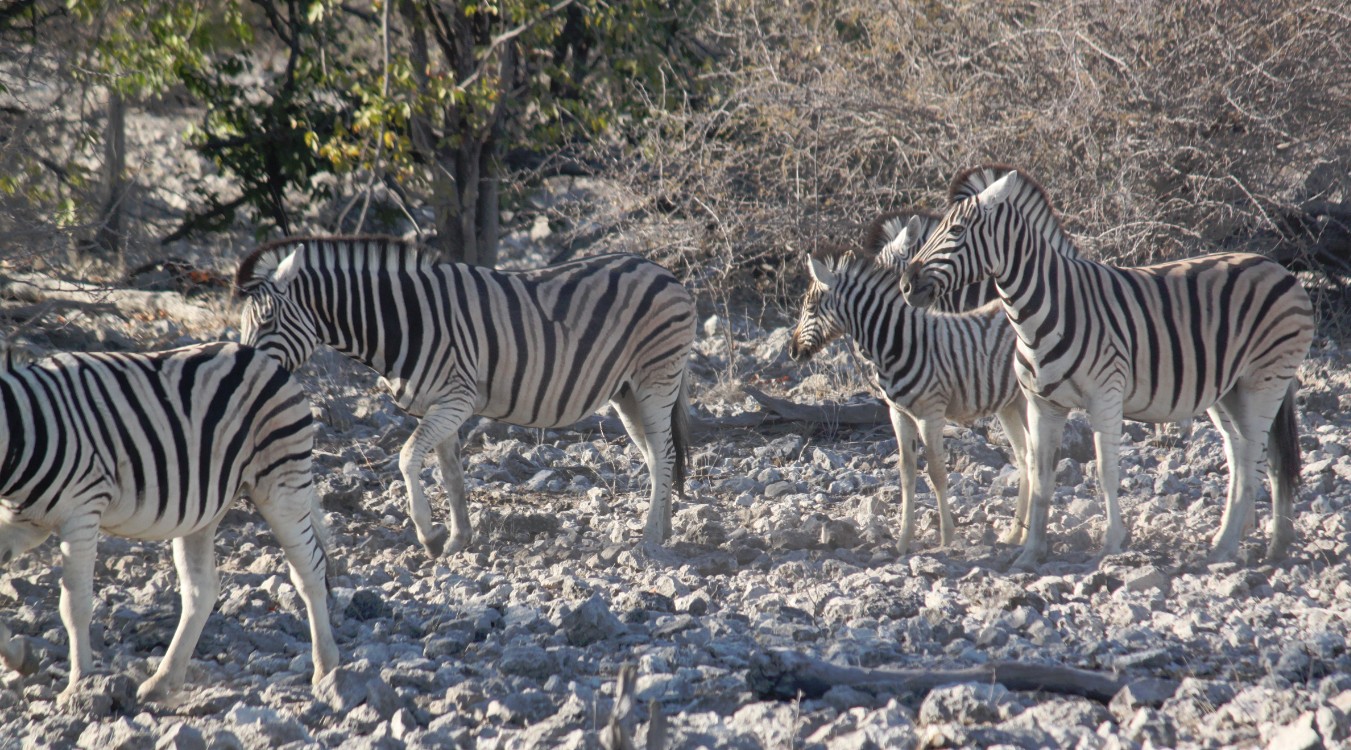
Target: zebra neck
347,327
874,312
1037,279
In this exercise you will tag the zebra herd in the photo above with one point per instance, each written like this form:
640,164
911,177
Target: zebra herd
986,310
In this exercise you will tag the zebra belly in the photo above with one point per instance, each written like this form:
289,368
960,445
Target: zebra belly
140,518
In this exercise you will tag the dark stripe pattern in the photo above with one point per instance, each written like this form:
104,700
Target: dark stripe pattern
158,446
930,366
539,348
1222,333
165,441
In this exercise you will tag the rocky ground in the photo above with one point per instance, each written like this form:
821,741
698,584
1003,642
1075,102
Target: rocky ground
784,542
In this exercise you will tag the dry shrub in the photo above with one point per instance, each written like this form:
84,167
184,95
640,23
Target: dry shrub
1160,129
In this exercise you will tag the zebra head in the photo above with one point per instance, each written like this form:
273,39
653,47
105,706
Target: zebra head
274,320
896,237
817,323
960,249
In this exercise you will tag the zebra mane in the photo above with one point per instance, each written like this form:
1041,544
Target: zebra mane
973,181
886,228
329,251
12,357
835,256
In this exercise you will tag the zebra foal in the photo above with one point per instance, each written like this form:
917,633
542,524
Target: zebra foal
539,348
158,446
930,366
1224,334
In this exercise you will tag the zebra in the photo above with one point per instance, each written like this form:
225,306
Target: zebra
158,446
930,366
1224,334
538,348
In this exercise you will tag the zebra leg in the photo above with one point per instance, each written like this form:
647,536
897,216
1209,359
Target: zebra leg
452,475
199,585
1283,465
1013,417
655,409
907,435
936,456
79,542
631,416
1238,506
1107,450
303,538
440,422
650,431
1046,424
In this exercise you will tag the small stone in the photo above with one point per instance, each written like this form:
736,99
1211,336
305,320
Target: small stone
263,727
1149,724
527,661
780,488
591,622
367,605
1149,578
100,695
181,737
968,703
1149,692
120,734
695,604
1068,473
1297,735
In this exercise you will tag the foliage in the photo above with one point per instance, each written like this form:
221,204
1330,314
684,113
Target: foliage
1159,129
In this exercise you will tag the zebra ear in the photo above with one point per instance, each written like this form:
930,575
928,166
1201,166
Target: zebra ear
1001,190
821,273
12,356
914,232
287,270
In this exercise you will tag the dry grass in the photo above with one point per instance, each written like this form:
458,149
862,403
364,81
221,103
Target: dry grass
1160,129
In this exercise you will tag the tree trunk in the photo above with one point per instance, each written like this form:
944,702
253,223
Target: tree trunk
464,177
109,238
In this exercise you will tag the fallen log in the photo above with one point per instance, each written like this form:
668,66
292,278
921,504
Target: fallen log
785,675
38,288
864,415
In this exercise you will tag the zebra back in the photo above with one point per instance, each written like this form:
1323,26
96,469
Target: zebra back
542,347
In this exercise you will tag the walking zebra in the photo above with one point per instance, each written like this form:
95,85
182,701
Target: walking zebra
540,348
930,366
158,446
1223,334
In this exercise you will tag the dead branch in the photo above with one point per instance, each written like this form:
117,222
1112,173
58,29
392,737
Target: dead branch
864,415
784,675
38,288
24,313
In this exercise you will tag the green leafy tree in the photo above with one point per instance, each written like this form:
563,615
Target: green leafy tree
464,85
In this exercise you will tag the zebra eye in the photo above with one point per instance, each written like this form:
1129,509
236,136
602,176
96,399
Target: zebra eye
956,230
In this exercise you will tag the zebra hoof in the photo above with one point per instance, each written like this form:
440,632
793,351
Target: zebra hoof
436,543
1277,550
153,691
1028,561
458,543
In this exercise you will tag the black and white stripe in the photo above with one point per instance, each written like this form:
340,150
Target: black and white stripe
930,366
1224,334
541,348
158,446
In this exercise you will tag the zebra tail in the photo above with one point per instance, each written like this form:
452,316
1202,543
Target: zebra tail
1283,444
680,434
